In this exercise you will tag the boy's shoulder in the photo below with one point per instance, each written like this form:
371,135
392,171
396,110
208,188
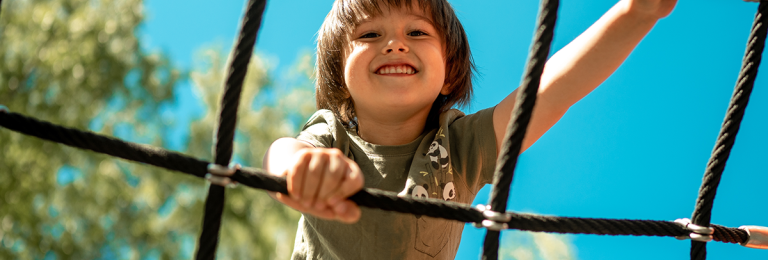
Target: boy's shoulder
324,121
325,129
456,120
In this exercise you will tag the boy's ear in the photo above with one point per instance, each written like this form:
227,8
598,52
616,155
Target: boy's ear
446,89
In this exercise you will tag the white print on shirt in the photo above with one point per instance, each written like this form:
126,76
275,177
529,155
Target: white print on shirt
438,155
436,182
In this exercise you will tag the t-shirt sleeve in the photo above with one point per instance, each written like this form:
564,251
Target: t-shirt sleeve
317,130
317,135
474,148
323,130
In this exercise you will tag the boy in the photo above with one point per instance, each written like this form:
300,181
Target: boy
388,73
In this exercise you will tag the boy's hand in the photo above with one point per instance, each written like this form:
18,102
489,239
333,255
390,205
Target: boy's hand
655,8
319,181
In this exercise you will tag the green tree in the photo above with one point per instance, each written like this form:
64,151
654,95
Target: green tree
254,225
78,63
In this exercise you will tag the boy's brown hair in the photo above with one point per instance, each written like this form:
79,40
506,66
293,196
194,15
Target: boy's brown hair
331,92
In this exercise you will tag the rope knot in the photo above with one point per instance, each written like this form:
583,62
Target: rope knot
698,233
220,175
495,221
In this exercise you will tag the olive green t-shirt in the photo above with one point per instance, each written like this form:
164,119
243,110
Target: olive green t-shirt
450,163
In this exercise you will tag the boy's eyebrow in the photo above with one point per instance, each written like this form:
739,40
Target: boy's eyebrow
411,12
421,17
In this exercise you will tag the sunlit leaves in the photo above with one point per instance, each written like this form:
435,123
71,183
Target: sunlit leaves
255,226
78,63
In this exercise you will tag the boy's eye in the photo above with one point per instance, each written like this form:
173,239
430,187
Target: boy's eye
370,35
416,33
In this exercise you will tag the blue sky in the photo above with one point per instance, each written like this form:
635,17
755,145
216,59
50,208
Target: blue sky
635,148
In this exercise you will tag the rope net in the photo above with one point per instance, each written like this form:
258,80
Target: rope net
494,218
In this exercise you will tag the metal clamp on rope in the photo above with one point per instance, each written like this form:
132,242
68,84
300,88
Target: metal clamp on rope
758,237
219,175
496,221
699,233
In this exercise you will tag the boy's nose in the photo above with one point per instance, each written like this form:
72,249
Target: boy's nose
395,46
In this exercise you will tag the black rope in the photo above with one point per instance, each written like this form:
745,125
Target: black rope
225,132
729,235
103,144
725,140
614,227
371,198
521,115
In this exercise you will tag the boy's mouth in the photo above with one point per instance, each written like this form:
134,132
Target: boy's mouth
396,69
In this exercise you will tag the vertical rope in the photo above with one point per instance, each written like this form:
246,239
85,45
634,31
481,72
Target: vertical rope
725,140
225,132
521,116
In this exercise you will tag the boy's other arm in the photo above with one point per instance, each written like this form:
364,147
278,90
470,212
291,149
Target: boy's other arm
582,65
319,179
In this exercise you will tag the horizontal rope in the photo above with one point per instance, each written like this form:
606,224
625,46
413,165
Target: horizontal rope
371,198
104,144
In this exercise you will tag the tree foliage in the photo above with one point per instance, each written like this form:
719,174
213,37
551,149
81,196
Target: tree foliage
78,63
254,225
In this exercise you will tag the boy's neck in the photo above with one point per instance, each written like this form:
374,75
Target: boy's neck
391,131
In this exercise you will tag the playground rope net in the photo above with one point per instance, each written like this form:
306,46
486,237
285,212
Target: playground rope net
493,217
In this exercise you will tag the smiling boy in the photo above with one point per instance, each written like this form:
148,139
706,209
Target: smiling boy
389,72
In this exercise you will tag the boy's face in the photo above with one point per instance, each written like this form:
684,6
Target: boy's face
394,64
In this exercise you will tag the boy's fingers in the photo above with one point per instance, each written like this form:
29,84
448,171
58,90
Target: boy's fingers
318,183
288,201
347,211
326,213
314,174
352,182
335,172
296,174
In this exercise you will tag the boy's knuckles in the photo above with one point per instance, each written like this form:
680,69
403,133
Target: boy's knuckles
355,177
334,152
303,155
336,173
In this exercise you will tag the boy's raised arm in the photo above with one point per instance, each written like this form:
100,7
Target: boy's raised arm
583,64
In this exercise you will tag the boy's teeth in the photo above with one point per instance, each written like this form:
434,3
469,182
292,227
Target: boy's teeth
396,69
